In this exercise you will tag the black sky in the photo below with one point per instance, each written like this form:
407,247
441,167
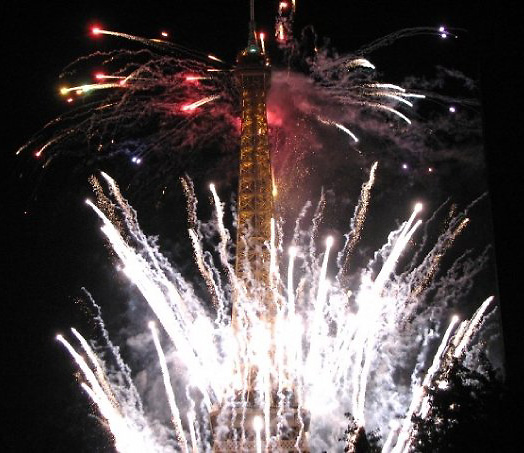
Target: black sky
43,253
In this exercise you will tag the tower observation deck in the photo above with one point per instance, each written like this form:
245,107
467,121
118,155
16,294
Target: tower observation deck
282,424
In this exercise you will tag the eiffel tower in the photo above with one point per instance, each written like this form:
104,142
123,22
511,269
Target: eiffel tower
235,422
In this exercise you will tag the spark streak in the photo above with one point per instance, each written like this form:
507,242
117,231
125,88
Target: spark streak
392,110
177,422
81,89
472,327
194,78
191,422
257,425
199,103
360,62
104,76
357,222
262,42
347,131
212,57
339,126
127,437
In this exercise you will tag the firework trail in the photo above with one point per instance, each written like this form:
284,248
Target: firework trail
357,222
129,431
169,389
161,106
329,360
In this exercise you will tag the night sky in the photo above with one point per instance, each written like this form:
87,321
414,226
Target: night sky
51,247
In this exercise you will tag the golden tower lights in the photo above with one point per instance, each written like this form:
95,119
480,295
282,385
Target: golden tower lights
253,260
255,197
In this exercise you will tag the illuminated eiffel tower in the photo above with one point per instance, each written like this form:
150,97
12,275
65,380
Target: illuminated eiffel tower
240,417
255,192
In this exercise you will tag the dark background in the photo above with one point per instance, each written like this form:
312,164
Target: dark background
44,247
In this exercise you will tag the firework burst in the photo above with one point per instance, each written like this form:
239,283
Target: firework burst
163,105
344,332
338,346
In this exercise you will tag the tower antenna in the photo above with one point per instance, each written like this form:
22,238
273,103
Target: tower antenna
252,36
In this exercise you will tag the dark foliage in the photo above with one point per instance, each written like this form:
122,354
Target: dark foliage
469,414
356,440
473,412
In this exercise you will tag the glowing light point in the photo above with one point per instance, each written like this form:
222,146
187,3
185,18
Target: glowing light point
405,166
282,6
258,423
99,75
329,241
281,32
165,34
430,170
443,35
443,385
96,30
64,90
199,103
69,100
418,207
212,187
452,109
212,57
262,43
455,319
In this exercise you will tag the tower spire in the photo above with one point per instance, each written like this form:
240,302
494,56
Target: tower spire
252,37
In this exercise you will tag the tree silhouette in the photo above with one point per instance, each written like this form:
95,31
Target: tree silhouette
467,413
356,440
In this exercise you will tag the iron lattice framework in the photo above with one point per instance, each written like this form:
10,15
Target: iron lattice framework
252,267
255,198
